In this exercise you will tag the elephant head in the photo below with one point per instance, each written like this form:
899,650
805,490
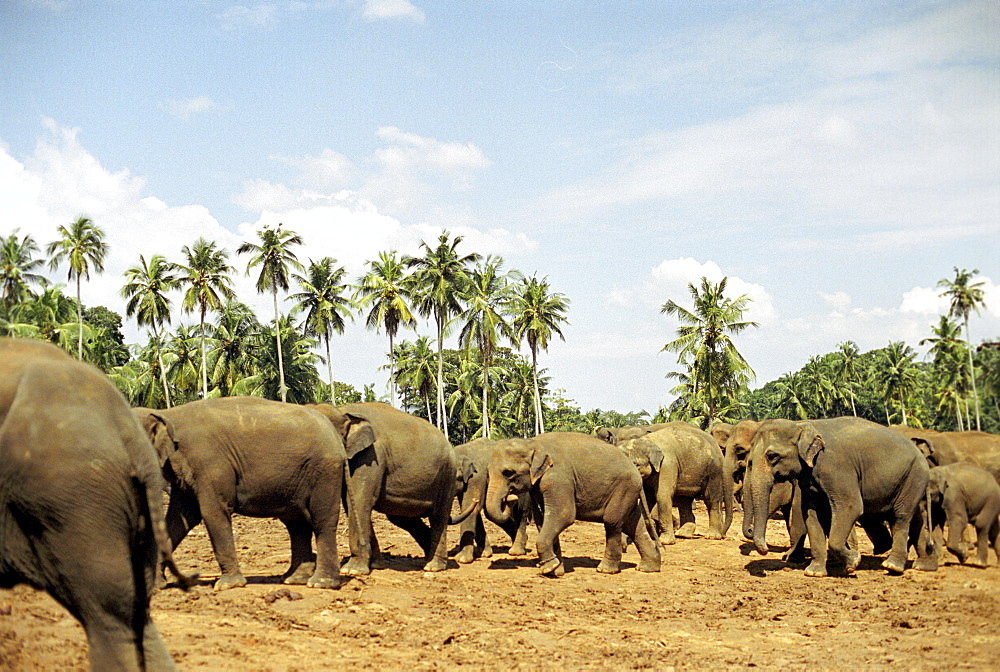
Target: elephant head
356,431
645,455
607,435
514,468
780,451
160,431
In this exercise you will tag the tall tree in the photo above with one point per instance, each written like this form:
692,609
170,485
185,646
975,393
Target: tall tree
537,314
82,246
206,273
847,370
235,334
966,296
275,257
440,276
487,300
322,297
387,292
946,347
897,377
145,291
414,369
718,370
17,269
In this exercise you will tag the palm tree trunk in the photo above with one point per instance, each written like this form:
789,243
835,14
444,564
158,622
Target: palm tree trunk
854,410
392,376
204,365
442,411
972,374
79,319
539,422
277,338
486,398
163,370
329,368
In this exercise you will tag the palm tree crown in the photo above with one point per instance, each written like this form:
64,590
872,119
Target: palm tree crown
322,299
82,246
146,290
965,296
17,268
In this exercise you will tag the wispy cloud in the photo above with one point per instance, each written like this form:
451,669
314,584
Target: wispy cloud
185,108
261,15
380,10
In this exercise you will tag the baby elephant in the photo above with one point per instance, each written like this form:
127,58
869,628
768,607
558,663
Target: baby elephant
963,493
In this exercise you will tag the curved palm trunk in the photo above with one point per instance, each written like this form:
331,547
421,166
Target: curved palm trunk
329,369
539,422
442,414
204,364
972,374
163,370
487,428
277,338
392,375
79,319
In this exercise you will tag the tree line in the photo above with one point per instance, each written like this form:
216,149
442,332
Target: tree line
485,387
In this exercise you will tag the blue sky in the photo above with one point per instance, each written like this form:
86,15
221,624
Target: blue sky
833,160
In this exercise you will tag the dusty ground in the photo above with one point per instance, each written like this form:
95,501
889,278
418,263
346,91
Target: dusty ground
714,604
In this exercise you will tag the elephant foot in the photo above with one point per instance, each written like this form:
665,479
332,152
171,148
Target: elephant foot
646,565
816,569
517,549
668,540
465,556
301,575
714,534
230,581
355,567
929,564
436,565
333,582
893,566
608,567
687,531
487,552
976,562
554,567
794,557
851,560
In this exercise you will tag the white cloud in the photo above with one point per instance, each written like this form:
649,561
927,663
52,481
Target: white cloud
408,150
379,10
261,15
185,108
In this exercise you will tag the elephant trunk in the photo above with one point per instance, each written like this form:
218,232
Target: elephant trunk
460,518
761,484
497,509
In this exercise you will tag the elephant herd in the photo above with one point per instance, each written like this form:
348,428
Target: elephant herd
82,477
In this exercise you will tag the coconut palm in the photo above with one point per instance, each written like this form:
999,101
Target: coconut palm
413,365
145,291
703,344
206,274
183,362
322,298
439,277
965,296
537,315
274,256
236,330
387,292
947,349
82,246
17,269
487,300
897,377
846,370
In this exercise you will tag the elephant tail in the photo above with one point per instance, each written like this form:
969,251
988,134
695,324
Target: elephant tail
157,521
728,500
647,517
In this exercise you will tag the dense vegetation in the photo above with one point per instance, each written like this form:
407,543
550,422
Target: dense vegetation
492,384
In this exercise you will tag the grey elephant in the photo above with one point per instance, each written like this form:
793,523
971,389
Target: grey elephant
941,448
81,502
471,482
849,470
257,458
573,477
399,465
735,441
677,465
962,493
617,435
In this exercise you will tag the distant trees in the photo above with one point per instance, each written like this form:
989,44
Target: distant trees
81,245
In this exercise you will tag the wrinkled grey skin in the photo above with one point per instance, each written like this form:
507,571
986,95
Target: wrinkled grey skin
735,441
962,493
941,448
618,435
258,458
573,477
677,465
471,482
81,502
399,465
848,470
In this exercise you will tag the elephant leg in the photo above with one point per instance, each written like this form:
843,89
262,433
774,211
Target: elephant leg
716,520
685,510
796,524
468,539
519,540
417,529
816,522
879,534
303,562
844,513
155,653
665,506
611,564
437,543
219,523
649,548
324,518
985,520
362,485
957,522
557,517
482,539
182,515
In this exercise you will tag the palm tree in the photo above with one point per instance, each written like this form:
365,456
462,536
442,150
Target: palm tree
82,246
183,365
440,276
897,376
965,296
389,292
537,314
322,299
146,290
946,346
413,366
487,299
17,269
703,342
274,257
847,369
206,272
235,332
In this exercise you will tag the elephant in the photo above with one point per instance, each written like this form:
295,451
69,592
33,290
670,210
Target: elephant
961,493
941,448
848,470
399,465
81,502
735,441
472,478
257,458
616,435
573,476
678,464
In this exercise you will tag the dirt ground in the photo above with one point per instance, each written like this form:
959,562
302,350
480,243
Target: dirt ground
715,604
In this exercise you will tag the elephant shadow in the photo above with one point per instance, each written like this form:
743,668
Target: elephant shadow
760,568
569,563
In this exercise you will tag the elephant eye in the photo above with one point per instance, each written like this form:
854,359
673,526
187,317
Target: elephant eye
508,473
772,457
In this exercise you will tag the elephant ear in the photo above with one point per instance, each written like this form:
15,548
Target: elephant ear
720,432
606,434
360,435
466,469
810,444
655,458
541,462
161,433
